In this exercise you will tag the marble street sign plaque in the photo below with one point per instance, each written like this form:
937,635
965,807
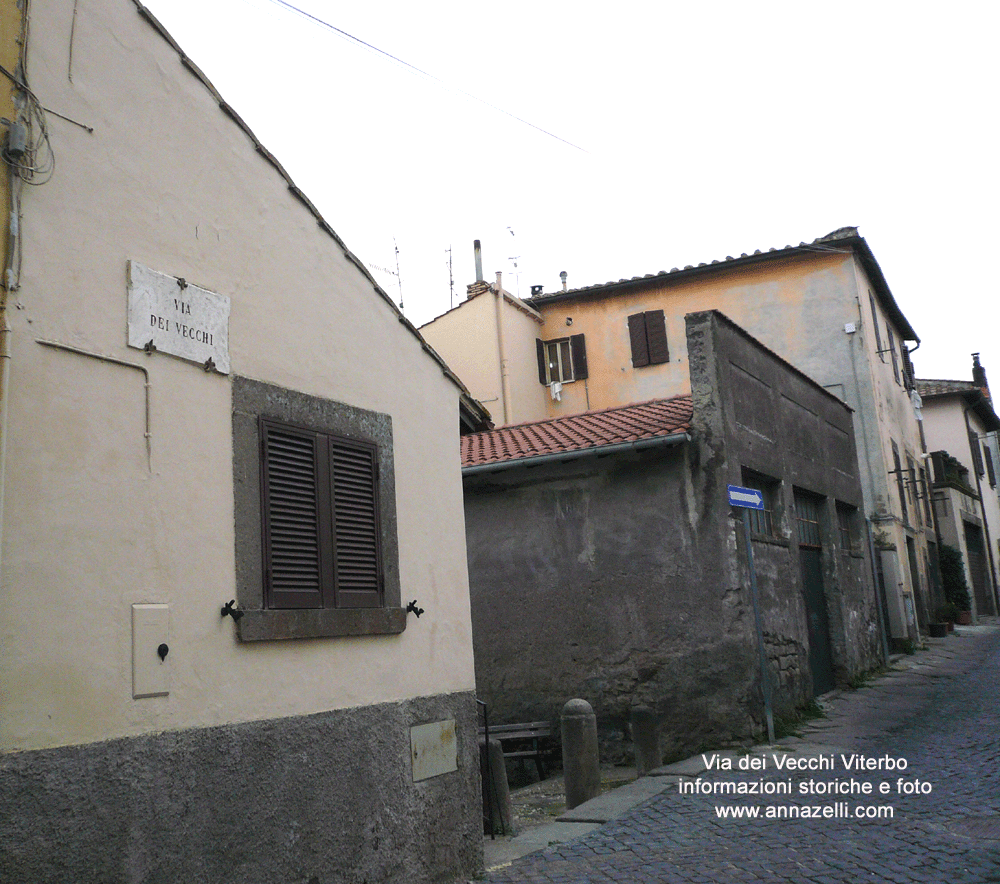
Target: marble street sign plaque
181,319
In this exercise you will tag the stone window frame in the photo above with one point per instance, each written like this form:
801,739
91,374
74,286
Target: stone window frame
251,401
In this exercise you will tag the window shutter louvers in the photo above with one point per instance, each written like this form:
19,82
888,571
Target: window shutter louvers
357,570
908,375
637,337
977,458
656,337
990,469
293,493
540,350
578,349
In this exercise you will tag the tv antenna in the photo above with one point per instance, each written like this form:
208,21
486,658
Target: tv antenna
390,272
451,281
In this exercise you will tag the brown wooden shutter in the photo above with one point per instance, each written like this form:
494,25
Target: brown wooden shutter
977,458
937,460
354,477
990,469
908,375
656,337
637,337
578,351
294,539
540,350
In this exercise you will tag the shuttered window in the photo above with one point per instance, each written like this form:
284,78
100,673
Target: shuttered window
977,457
878,336
562,360
892,351
990,469
647,334
320,519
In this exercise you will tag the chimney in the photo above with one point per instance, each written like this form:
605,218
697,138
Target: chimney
562,275
479,261
979,377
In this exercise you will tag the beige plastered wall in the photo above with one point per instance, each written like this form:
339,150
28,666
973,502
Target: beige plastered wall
894,419
468,339
91,526
796,306
774,302
944,425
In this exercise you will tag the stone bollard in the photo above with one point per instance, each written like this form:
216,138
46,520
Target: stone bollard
645,740
496,792
581,765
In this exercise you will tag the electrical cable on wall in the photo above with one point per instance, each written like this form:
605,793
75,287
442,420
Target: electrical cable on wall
27,149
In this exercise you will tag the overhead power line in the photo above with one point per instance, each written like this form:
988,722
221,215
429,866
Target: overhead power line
423,73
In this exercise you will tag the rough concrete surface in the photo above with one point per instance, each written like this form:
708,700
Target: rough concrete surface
938,710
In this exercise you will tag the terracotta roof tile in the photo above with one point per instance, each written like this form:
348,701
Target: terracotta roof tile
578,432
937,387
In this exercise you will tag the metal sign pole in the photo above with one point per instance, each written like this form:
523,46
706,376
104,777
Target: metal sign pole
765,672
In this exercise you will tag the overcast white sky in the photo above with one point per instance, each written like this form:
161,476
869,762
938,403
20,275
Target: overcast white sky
708,129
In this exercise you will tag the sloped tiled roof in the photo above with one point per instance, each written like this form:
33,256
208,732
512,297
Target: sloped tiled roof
844,238
936,387
974,397
579,432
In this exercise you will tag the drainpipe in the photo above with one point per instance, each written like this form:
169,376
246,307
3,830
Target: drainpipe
504,378
979,490
5,333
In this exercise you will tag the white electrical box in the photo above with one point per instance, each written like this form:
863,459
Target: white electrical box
150,651
433,749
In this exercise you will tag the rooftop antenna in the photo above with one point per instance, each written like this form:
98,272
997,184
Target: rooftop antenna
399,278
513,260
517,276
390,272
451,281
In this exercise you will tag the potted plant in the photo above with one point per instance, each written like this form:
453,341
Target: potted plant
956,590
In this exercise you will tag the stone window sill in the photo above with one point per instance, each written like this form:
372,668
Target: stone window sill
271,625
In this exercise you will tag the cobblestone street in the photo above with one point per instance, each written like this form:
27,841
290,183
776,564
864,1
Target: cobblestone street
938,710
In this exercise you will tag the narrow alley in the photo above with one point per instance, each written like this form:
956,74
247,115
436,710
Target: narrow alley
936,712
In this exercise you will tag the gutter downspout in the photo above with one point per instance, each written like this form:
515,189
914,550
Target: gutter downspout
601,451
504,378
928,483
5,333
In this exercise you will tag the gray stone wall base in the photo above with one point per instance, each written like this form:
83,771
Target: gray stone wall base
319,799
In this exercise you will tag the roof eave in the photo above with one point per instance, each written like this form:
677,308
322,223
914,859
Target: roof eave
855,243
577,454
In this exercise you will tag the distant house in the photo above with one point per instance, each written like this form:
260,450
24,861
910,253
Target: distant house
605,561
824,306
210,408
961,427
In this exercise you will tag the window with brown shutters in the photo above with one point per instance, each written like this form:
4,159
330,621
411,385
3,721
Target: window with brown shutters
878,336
990,469
320,519
562,360
892,351
977,457
647,334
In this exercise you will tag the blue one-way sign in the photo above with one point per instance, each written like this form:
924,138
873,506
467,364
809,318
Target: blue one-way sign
750,498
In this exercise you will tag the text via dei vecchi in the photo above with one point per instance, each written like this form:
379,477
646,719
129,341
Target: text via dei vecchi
177,318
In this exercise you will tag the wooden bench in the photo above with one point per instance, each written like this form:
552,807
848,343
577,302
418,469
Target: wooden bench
532,739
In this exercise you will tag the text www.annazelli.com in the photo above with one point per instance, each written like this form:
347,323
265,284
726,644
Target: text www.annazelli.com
839,810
